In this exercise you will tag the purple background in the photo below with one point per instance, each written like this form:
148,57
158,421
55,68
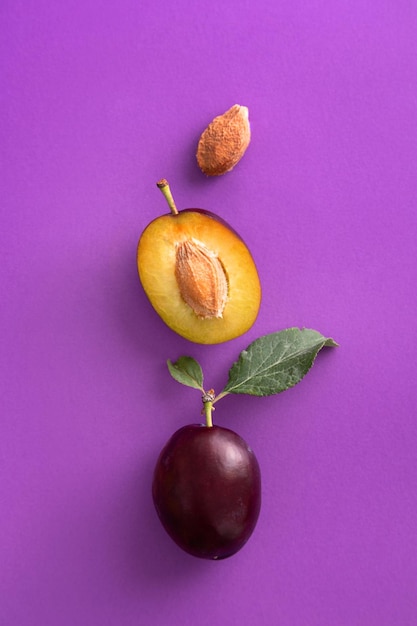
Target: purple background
98,101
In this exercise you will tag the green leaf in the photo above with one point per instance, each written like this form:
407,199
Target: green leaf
187,371
275,362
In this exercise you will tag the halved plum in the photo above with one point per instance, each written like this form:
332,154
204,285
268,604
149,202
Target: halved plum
198,274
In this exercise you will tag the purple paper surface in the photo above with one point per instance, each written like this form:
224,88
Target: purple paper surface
99,100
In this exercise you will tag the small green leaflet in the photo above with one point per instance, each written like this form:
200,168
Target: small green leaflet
275,362
187,371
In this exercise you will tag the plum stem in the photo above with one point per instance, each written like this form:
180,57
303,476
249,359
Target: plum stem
208,398
208,408
165,188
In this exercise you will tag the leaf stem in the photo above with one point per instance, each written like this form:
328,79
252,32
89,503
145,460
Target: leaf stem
165,188
221,395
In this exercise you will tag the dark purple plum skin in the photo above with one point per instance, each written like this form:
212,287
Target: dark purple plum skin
210,214
207,490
